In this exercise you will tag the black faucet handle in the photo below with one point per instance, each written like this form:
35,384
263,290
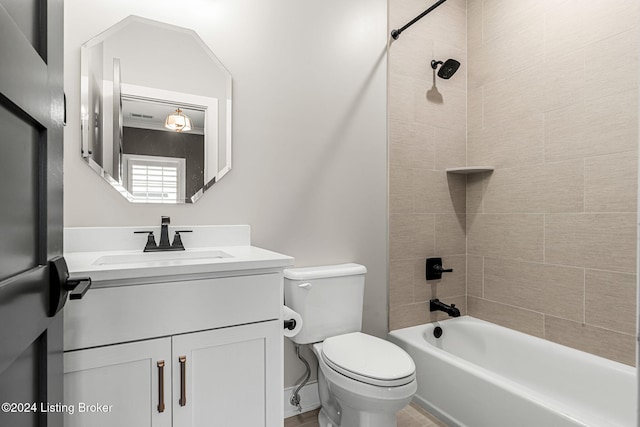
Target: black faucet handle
441,269
151,240
177,240
434,269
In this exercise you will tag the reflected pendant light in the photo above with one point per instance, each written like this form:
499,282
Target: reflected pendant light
177,121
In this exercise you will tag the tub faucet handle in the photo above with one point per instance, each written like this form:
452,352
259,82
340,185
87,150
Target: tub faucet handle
434,269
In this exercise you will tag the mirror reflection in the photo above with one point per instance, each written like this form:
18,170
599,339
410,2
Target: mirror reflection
156,111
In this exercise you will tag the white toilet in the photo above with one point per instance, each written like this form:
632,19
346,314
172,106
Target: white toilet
363,380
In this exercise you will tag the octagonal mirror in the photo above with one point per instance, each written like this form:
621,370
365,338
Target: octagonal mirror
156,111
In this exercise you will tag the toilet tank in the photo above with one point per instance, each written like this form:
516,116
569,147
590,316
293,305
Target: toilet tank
328,298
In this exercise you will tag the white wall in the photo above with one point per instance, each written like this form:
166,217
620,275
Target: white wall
309,169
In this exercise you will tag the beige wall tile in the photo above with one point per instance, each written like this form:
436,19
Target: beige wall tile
475,111
506,144
564,133
564,76
565,29
602,76
600,241
611,300
475,276
603,21
407,55
411,145
474,24
612,123
400,99
480,146
419,187
513,236
451,238
482,68
451,148
602,342
526,321
451,285
547,289
411,236
551,102
564,186
401,190
439,192
600,126
502,15
476,185
527,189
515,190
408,315
450,26
514,97
401,282
611,183
448,111
515,45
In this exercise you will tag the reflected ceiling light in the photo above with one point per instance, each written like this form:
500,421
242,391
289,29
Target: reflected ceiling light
177,121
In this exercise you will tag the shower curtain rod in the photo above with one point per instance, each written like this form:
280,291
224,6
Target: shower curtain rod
396,33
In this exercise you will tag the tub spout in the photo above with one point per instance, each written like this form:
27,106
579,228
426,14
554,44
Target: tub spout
437,305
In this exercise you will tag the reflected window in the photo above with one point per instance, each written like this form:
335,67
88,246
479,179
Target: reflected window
153,179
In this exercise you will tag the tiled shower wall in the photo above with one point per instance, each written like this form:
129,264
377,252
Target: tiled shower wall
427,133
553,106
547,242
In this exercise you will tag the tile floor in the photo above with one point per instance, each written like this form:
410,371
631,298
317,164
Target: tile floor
411,416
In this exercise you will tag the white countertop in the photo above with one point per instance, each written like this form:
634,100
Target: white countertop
116,243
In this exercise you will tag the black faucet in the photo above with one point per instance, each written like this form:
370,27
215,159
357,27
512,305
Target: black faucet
164,245
437,305
164,234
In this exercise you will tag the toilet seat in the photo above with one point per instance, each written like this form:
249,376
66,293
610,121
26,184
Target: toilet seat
368,359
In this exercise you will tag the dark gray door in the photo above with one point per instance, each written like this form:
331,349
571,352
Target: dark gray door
31,120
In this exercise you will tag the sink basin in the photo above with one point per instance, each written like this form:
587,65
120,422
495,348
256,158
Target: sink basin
160,257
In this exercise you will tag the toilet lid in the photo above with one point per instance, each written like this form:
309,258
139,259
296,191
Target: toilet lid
368,359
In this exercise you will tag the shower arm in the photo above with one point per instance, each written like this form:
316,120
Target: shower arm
396,33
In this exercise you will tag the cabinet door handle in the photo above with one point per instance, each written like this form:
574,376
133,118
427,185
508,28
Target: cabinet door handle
183,380
160,385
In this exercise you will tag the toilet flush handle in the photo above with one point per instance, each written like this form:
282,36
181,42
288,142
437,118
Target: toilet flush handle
305,285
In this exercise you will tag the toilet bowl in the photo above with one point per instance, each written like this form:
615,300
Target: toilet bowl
363,381
369,379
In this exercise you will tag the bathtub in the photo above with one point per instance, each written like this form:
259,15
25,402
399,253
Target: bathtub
478,374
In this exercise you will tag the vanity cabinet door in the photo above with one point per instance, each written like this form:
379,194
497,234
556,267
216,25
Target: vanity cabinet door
122,382
229,377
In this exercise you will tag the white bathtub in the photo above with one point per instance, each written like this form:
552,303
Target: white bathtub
478,374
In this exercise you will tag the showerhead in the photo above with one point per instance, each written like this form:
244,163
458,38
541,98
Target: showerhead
448,68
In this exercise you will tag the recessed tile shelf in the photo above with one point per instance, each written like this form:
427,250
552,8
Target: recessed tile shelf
470,169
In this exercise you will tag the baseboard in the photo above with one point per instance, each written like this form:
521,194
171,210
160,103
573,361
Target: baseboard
309,399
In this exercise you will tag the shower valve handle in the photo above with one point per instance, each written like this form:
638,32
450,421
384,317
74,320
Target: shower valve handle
434,269
439,268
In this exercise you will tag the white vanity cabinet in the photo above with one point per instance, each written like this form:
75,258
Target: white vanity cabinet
124,379
219,340
223,374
